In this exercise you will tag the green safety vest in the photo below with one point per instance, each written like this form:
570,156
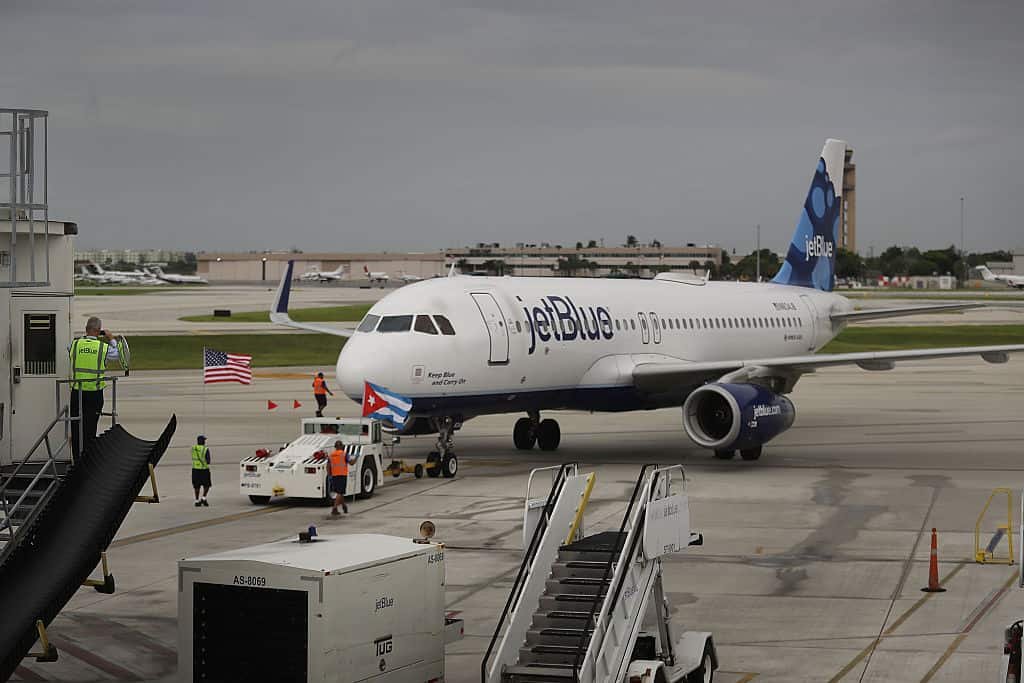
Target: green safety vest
199,458
88,363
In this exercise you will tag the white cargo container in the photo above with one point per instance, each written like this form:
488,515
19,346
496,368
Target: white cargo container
357,607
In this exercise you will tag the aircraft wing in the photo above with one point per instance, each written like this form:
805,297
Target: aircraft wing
658,376
279,309
879,313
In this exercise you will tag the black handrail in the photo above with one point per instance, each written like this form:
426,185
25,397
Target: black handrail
583,645
531,551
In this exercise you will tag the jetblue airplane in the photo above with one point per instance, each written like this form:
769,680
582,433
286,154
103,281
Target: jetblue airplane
726,352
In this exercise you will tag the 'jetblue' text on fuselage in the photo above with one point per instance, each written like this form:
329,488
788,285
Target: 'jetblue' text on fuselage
560,318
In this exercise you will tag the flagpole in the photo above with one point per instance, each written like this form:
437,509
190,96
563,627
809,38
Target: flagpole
204,390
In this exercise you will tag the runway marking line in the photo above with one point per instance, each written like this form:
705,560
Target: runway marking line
747,676
895,624
986,606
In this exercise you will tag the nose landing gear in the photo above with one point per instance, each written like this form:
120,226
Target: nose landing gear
533,430
443,461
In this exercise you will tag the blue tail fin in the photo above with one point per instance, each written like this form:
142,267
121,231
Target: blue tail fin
811,259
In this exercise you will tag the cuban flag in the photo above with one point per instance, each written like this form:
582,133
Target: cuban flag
382,404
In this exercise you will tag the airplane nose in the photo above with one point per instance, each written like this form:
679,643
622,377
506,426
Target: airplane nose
360,362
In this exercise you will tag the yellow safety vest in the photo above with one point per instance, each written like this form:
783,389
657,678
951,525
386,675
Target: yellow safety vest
88,363
199,458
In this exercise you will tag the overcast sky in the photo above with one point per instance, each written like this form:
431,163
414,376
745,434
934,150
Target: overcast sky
421,124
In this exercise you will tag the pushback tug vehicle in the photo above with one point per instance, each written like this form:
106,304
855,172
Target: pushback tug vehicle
591,608
301,468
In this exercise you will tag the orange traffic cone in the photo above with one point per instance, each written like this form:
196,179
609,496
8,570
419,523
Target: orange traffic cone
933,568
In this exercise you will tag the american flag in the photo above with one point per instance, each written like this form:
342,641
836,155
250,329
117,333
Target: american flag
226,367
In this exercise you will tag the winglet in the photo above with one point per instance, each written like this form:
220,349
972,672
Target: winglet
279,309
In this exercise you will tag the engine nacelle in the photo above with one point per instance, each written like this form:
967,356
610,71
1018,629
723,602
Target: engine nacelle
736,416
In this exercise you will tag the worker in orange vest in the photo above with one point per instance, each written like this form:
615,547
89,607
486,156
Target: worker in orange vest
339,477
320,392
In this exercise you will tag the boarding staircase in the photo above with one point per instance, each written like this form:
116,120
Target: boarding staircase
28,485
579,602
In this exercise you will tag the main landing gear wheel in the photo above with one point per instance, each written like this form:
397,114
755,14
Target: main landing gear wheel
259,500
449,466
524,435
367,480
751,453
724,455
434,465
549,435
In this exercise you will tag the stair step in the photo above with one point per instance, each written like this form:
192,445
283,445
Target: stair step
562,618
535,673
576,585
568,637
582,568
548,654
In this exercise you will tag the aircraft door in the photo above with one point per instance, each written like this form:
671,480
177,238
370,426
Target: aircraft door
645,328
813,323
494,319
655,327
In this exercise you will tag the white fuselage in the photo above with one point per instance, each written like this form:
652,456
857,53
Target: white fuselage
543,343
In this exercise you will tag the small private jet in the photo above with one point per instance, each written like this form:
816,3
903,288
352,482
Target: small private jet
1015,281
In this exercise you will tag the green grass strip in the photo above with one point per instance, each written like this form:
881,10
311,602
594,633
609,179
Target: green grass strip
323,314
885,338
176,352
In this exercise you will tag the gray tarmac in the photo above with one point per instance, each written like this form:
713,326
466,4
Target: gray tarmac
813,559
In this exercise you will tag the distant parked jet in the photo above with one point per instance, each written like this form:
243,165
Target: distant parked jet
376,276
315,275
174,278
1010,280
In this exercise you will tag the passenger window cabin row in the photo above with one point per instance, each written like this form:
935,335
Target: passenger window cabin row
437,324
715,323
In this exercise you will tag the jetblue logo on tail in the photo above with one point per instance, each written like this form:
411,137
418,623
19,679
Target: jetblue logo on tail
810,260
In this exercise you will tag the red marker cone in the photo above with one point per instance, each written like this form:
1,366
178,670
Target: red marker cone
271,405
296,404
933,568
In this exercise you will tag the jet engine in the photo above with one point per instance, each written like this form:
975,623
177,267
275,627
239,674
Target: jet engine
729,417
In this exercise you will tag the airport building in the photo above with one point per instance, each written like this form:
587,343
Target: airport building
547,260
259,266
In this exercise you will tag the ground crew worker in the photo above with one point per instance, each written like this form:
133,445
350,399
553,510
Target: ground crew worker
339,477
320,391
89,357
201,470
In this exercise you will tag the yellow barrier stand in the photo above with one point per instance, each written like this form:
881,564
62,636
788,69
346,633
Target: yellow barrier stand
49,652
987,555
155,498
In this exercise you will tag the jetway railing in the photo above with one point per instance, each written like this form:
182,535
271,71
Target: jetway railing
24,197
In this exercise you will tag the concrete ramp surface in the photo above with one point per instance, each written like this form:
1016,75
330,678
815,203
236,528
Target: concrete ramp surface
64,545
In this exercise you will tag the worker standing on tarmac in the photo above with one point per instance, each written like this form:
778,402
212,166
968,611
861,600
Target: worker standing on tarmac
89,357
320,391
339,477
201,470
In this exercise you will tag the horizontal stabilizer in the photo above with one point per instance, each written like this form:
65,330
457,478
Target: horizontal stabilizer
880,313
279,309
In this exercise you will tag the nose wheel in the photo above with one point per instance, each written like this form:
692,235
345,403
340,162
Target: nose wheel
443,461
546,434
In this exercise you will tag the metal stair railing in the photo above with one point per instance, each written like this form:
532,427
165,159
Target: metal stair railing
531,551
585,642
9,531
623,563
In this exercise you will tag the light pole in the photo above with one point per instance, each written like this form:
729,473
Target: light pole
263,264
758,258
963,255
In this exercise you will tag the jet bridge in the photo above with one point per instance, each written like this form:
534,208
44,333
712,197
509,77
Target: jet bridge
592,608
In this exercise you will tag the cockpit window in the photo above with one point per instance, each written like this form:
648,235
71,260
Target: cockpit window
369,322
395,323
444,324
424,324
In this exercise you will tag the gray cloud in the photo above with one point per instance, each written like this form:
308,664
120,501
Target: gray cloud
409,125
